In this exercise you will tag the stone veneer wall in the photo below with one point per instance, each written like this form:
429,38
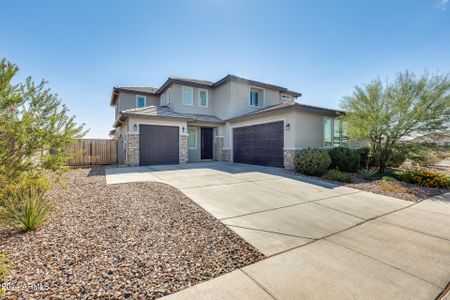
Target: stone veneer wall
183,148
221,153
132,155
288,156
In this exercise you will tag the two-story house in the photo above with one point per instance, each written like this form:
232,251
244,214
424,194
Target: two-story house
233,119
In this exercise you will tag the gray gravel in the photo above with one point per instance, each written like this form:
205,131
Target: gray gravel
136,240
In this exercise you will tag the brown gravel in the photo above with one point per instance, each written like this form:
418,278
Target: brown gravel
137,240
410,192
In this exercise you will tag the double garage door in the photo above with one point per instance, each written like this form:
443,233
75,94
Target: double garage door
158,145
259,144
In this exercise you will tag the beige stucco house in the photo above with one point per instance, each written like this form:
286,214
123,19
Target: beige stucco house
233,119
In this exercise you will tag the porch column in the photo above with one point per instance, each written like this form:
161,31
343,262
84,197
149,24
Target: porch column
183,148
132,149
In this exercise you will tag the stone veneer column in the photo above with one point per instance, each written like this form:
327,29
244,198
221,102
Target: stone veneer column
132,155
288,156
221,153
183,148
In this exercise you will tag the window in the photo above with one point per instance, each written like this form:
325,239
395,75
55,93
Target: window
165,98
203,98
285,97
191,137
187,95
327,132
344,133
140,101
335,133
256,97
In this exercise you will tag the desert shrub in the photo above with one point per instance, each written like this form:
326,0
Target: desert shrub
390,185
396,157
337,175
424,177
364,160
368,174
24,206
345,159
4,271
312,161
425,158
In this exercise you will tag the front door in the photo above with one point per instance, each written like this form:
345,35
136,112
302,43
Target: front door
206,143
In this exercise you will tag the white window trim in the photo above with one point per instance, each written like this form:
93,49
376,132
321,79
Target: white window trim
192,95
195,136
199,99
263,91
145,100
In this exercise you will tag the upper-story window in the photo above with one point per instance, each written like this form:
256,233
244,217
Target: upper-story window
187,95
165,98
203,98
256,97
285,97
140,101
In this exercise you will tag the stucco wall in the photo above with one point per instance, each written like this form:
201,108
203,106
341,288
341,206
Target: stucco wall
128,100
232,99
308,130
176,101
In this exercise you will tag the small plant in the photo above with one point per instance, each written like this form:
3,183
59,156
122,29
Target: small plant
424,177
4,271
368,174
312,161
389,185
337,175
24,208
345,159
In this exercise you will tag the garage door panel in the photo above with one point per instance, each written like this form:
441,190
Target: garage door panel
259,144
158,145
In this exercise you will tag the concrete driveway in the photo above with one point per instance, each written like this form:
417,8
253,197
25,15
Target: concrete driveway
322,241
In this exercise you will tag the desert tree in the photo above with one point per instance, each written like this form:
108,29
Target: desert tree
35,128
385,113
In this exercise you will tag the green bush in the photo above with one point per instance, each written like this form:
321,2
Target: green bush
368,174
312,161
424,177
397,157
337,175
24,207
344,159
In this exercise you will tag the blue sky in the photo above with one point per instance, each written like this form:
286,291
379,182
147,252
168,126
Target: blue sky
320,48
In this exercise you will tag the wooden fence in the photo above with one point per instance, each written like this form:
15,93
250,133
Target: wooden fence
94,152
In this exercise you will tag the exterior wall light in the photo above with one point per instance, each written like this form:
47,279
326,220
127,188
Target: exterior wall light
135,127
288,126
183,129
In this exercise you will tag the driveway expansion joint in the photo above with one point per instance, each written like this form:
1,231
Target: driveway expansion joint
256,282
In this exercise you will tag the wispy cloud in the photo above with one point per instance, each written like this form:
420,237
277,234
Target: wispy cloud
442,4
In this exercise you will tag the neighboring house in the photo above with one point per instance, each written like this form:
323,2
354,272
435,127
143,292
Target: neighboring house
439,138
233,119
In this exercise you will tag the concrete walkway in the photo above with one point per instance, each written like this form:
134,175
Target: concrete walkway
322,241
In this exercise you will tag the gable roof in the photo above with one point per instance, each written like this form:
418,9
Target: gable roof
144,90
289,105
229,77
147,90
256,83
164,112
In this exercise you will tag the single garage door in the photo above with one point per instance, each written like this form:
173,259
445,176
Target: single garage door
158,145
259,144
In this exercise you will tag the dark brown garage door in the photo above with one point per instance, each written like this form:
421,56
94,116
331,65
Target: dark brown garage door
158,145
259,144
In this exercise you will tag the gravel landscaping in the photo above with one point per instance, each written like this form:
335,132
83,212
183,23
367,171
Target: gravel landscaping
405,191
136,240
